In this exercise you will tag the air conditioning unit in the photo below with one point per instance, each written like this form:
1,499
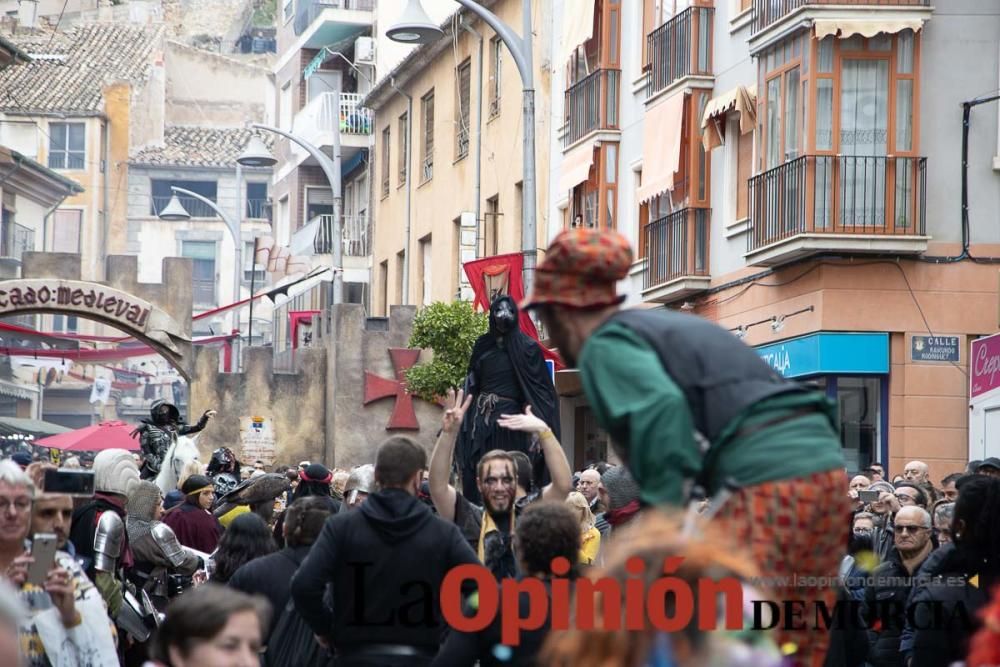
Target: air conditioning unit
364,51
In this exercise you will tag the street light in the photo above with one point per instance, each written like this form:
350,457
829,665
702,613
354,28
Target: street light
414,27
255,154
331,169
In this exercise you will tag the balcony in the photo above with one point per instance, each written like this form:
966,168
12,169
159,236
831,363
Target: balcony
845,204
356,241
319,119
592,105
15,240
677,255
320,23
680,48
195,207
775,20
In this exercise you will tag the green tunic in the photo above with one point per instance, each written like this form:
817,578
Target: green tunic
647,415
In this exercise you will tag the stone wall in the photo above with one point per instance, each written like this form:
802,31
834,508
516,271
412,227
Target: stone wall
295,403
356,345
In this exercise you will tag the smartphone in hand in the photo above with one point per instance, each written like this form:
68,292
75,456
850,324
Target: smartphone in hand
43,551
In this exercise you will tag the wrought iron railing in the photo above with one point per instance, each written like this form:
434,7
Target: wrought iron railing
356,241
843,194
592,104
16,240
259,209
680,47
767,12
677,246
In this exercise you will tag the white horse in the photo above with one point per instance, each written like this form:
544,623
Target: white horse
184,450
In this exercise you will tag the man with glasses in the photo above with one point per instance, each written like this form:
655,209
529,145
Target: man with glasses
67,623
892,582
910,495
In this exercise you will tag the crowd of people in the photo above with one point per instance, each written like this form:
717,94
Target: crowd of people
729,534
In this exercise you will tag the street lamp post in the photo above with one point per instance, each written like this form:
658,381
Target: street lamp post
414,27
331,168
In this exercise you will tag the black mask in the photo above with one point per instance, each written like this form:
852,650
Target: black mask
504,316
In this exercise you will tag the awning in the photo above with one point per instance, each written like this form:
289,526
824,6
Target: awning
575,167
845,28
35,427
578,27
661,134
741,99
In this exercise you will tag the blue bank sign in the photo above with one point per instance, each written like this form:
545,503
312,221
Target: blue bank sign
828,353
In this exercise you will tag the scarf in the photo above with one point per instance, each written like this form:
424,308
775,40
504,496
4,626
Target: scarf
621,515
488,526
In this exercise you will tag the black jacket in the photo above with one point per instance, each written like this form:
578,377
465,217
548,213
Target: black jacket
386,562
885,603
269,576
944,606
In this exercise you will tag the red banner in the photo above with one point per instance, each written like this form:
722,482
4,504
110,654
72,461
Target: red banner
501,275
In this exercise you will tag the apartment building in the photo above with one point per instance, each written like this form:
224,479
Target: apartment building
793,170
453,191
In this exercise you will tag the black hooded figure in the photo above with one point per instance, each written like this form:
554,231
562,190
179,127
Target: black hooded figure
506,373
157,433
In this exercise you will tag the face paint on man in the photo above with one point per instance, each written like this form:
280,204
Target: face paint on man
498,486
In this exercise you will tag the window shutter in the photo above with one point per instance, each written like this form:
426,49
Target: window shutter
66,231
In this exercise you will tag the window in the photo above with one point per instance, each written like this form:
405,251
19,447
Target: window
66,225
288,10
21,137
203,271
400,269
65,323
161,190
251,270
319,201
283,229
464,76
496,63
492,226
285,108
67,145
258,204
427,133
383,272
426,271
386,137
404,154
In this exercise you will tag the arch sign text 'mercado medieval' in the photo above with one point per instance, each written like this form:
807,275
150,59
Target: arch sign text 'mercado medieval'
89,300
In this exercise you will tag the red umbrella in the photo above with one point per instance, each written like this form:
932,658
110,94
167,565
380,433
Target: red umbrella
96,438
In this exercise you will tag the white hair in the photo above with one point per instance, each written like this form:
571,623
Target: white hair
11,473
925,517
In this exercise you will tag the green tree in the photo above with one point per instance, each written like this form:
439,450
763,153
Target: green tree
450,329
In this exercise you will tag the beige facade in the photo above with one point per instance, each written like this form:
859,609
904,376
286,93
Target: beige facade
443,227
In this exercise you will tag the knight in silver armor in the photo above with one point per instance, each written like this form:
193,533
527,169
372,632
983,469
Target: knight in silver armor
161,430
159,558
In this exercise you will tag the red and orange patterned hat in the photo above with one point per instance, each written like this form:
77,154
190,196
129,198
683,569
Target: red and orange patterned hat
581,270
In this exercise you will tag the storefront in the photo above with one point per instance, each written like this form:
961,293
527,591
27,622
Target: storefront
852,368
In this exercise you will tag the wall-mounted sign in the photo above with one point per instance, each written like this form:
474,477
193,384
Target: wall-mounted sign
258,442
87,299
935,348
984,365
829,353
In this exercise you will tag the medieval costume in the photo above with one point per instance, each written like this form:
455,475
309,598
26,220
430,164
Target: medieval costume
157,552
687,403
195,527
506,372
161,430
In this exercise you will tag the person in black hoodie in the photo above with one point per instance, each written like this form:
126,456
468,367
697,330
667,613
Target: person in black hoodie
269,575
385,563
955,581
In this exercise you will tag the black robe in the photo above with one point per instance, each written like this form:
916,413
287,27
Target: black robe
530,384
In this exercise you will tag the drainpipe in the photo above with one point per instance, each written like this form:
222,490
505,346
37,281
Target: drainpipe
106,216
409,189
479,143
